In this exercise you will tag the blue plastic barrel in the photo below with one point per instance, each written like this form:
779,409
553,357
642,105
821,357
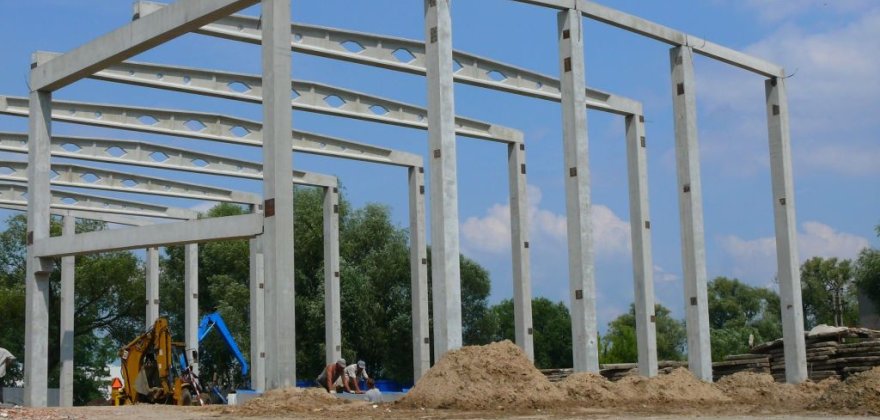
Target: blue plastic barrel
387,385
305,383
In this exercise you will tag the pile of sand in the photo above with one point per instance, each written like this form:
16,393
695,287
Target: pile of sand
762,389
860,393
589,388
678,387
297,400
495,376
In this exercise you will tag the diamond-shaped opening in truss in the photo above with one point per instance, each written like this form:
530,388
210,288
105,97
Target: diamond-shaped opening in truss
99,114
53,174
187,80
456,66
70,147
403,55
160,76
130,183
148,120
239,131
539,85
90,177
195,125
352,46
334,101
496,75
158,156
201,163
5,170
379,109
240,87
294,94
297,37
115,151
24,195
69,201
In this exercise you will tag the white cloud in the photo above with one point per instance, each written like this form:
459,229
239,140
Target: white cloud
663,276
832,94
755,259
491,233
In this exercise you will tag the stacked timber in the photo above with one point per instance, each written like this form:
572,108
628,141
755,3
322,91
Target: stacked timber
615,371
750,362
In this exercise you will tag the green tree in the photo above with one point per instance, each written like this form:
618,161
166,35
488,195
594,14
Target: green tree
618,345
737,312
867,272
552,330
829,292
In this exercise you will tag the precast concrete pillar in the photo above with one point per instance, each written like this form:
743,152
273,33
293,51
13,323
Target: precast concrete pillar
37,269
257,316
278,193
519,244
640,228
582,282
332,299
788,267
68,270
191,303
690,201
445,262
152,274
418,263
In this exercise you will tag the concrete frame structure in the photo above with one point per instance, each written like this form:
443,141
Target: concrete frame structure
185,16
690,193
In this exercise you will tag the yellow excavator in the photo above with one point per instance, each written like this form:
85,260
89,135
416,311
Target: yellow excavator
150,373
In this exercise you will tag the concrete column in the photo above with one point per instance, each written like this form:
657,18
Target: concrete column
332,300
640,227
257,316
191,303
445,262
788,271
37,269
68,270
152,272
519,244
690,194
582,282
418,263
278,193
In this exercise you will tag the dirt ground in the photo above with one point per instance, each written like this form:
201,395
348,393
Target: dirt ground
498,381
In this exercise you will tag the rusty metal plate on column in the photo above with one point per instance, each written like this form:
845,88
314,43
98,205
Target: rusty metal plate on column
269,207
579,294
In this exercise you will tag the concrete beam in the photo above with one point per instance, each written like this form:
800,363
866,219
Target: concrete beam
332,279
693,245
152,282
67,314
307,96
191,303
519,243
257,316
277,190
214,127
106,218
136,37
788,262
582,282
16,194
409,56
104,179
179,233
445,269
640,229
418,264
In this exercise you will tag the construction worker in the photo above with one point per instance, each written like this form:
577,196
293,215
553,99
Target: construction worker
353,374
331,377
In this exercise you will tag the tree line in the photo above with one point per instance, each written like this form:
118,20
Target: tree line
375,294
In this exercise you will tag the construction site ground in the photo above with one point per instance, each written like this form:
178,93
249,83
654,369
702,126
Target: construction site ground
498,381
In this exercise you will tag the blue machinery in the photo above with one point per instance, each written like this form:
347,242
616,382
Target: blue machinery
208,323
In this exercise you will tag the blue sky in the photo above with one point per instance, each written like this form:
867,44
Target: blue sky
832,48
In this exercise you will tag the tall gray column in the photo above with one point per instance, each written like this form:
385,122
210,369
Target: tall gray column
257,316
445,268
640,227
68,270
37,269
786,232
332,303
418,263
278,193
191,303
581,277
519,243
152,280
690,201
